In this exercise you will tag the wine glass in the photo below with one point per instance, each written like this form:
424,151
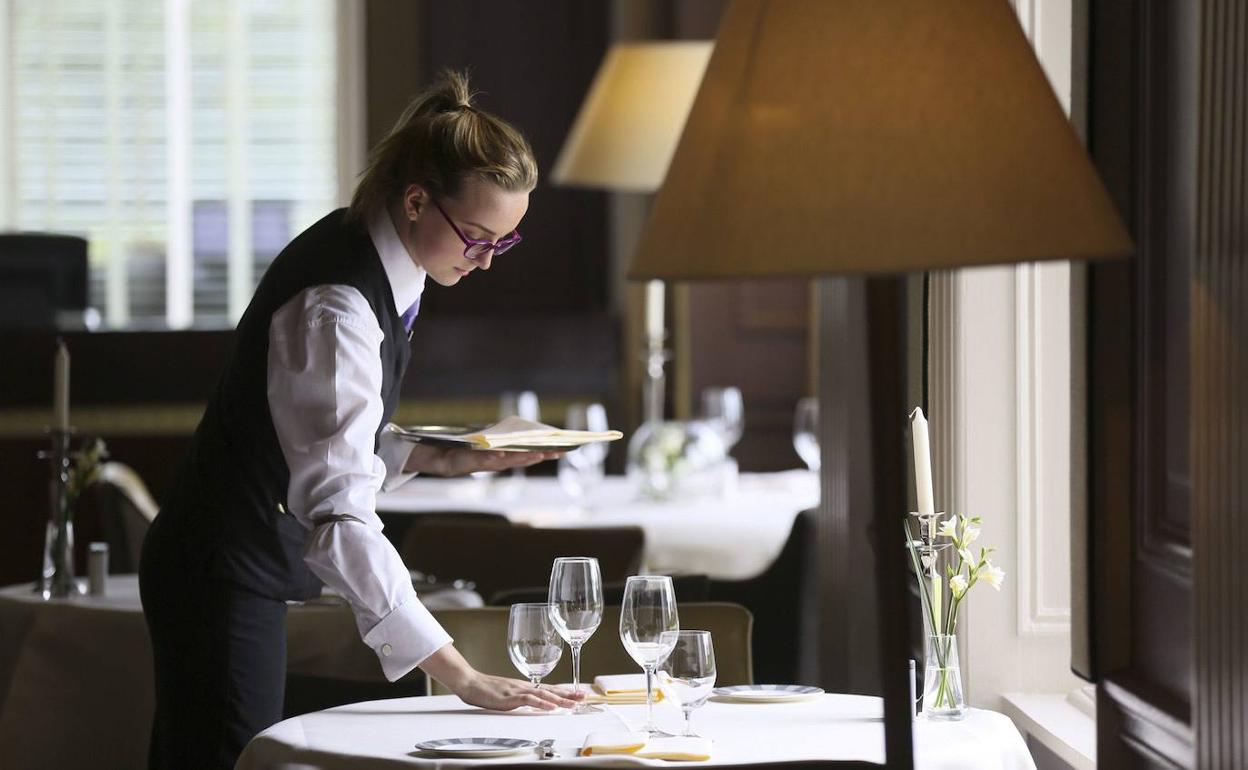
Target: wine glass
575,599
581,470
648,622
806,432
689,671
525,406
532,642
724,409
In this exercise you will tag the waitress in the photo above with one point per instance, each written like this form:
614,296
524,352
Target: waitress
277,494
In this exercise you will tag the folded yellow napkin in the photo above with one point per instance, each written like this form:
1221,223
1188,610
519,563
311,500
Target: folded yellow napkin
515,430
681,748
622,689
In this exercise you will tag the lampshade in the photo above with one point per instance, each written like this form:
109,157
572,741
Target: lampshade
626,131
874,136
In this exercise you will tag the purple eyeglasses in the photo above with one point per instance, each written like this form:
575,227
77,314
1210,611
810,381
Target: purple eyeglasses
476,250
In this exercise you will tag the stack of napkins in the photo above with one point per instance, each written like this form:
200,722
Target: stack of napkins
677,747
622,689
516,431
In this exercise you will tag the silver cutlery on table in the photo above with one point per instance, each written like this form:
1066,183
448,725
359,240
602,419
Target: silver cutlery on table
546,749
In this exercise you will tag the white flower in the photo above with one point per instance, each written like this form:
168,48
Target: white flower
957,585
971,535
993,576
966,555
949,527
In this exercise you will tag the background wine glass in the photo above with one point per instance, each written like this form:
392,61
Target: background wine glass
689,671
648,622
724,409
582,470
806,432
524,405
533,644
575,598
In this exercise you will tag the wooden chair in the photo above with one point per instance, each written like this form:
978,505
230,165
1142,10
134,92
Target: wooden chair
500,558
126,511
403,529
689,588
481,635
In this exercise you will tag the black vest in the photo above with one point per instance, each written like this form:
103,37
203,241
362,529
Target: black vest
228,506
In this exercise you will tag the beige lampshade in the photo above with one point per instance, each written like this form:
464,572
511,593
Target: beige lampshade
874,136
626,131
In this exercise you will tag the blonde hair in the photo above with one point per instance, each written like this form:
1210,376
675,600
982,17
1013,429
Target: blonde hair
440,140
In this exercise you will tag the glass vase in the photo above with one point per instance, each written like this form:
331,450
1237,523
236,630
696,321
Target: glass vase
57,578
943,698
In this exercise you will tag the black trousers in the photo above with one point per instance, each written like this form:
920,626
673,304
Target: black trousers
219,653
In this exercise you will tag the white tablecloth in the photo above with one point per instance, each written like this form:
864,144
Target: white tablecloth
383,734
76,674
732,537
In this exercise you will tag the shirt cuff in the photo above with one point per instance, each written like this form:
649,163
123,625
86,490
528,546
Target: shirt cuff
394,450
405,637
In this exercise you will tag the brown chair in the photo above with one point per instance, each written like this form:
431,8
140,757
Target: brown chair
126,511
500,558
481,635
402,528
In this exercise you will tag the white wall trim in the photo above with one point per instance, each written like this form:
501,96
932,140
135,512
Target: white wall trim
1041,446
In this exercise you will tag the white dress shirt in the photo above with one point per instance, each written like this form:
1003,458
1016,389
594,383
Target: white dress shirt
324,391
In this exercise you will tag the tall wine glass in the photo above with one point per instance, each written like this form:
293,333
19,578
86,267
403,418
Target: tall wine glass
648,622
806,432
533,644
581,470
575,598
689,671
724,409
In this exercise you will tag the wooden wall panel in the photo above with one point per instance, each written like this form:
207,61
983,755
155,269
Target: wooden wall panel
1219,302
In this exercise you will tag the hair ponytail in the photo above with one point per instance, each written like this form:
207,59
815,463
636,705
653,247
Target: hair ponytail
441,139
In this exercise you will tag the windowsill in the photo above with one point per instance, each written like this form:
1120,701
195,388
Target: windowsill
1064,724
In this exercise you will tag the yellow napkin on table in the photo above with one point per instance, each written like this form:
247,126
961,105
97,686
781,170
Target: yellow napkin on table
681,748
515,430
622,689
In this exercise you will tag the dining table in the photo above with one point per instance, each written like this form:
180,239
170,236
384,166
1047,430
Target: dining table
381,735
734,533
76,685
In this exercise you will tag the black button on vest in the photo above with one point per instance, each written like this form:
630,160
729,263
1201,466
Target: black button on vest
228,506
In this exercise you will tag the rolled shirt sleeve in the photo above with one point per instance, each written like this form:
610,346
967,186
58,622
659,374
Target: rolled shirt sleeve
324,392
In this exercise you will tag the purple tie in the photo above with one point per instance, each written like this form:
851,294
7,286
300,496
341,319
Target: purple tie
410,315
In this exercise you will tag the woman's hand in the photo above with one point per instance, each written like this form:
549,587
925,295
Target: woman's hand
452,461
498,693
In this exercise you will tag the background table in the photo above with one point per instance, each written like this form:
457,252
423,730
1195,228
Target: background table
731,537
383,734
76,674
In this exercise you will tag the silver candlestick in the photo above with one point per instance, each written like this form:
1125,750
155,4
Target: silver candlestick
56,581
655,357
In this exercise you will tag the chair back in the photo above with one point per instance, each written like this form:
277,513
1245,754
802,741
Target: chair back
402,528
500,558
126,511
481,636
41,275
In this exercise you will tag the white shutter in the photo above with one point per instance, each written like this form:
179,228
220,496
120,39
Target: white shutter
87,140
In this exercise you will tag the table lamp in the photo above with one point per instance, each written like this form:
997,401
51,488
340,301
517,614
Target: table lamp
623,139
874,137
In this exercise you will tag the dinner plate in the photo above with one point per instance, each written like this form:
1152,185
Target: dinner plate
446,435
476,747
768,693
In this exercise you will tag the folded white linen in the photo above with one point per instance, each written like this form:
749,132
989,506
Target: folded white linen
512,431
639,744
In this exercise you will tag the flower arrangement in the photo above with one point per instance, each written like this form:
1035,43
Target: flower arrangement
84,469
961,574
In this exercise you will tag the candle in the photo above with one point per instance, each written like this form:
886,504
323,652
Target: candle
60,388
654,309
922,463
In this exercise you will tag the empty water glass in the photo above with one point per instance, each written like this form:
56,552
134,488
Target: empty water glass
689,671
533,644
724,410
648,626
575,598
581,470
806,432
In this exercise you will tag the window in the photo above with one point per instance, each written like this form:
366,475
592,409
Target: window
187,140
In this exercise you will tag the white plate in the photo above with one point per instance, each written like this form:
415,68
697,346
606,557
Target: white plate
476,747
768,693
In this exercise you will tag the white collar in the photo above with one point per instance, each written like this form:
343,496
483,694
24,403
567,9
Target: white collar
407,279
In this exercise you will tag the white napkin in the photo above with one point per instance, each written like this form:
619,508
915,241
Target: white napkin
515,430
623,689
638,744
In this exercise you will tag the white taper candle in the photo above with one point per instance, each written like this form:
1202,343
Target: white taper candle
922,463
654,309
60,388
